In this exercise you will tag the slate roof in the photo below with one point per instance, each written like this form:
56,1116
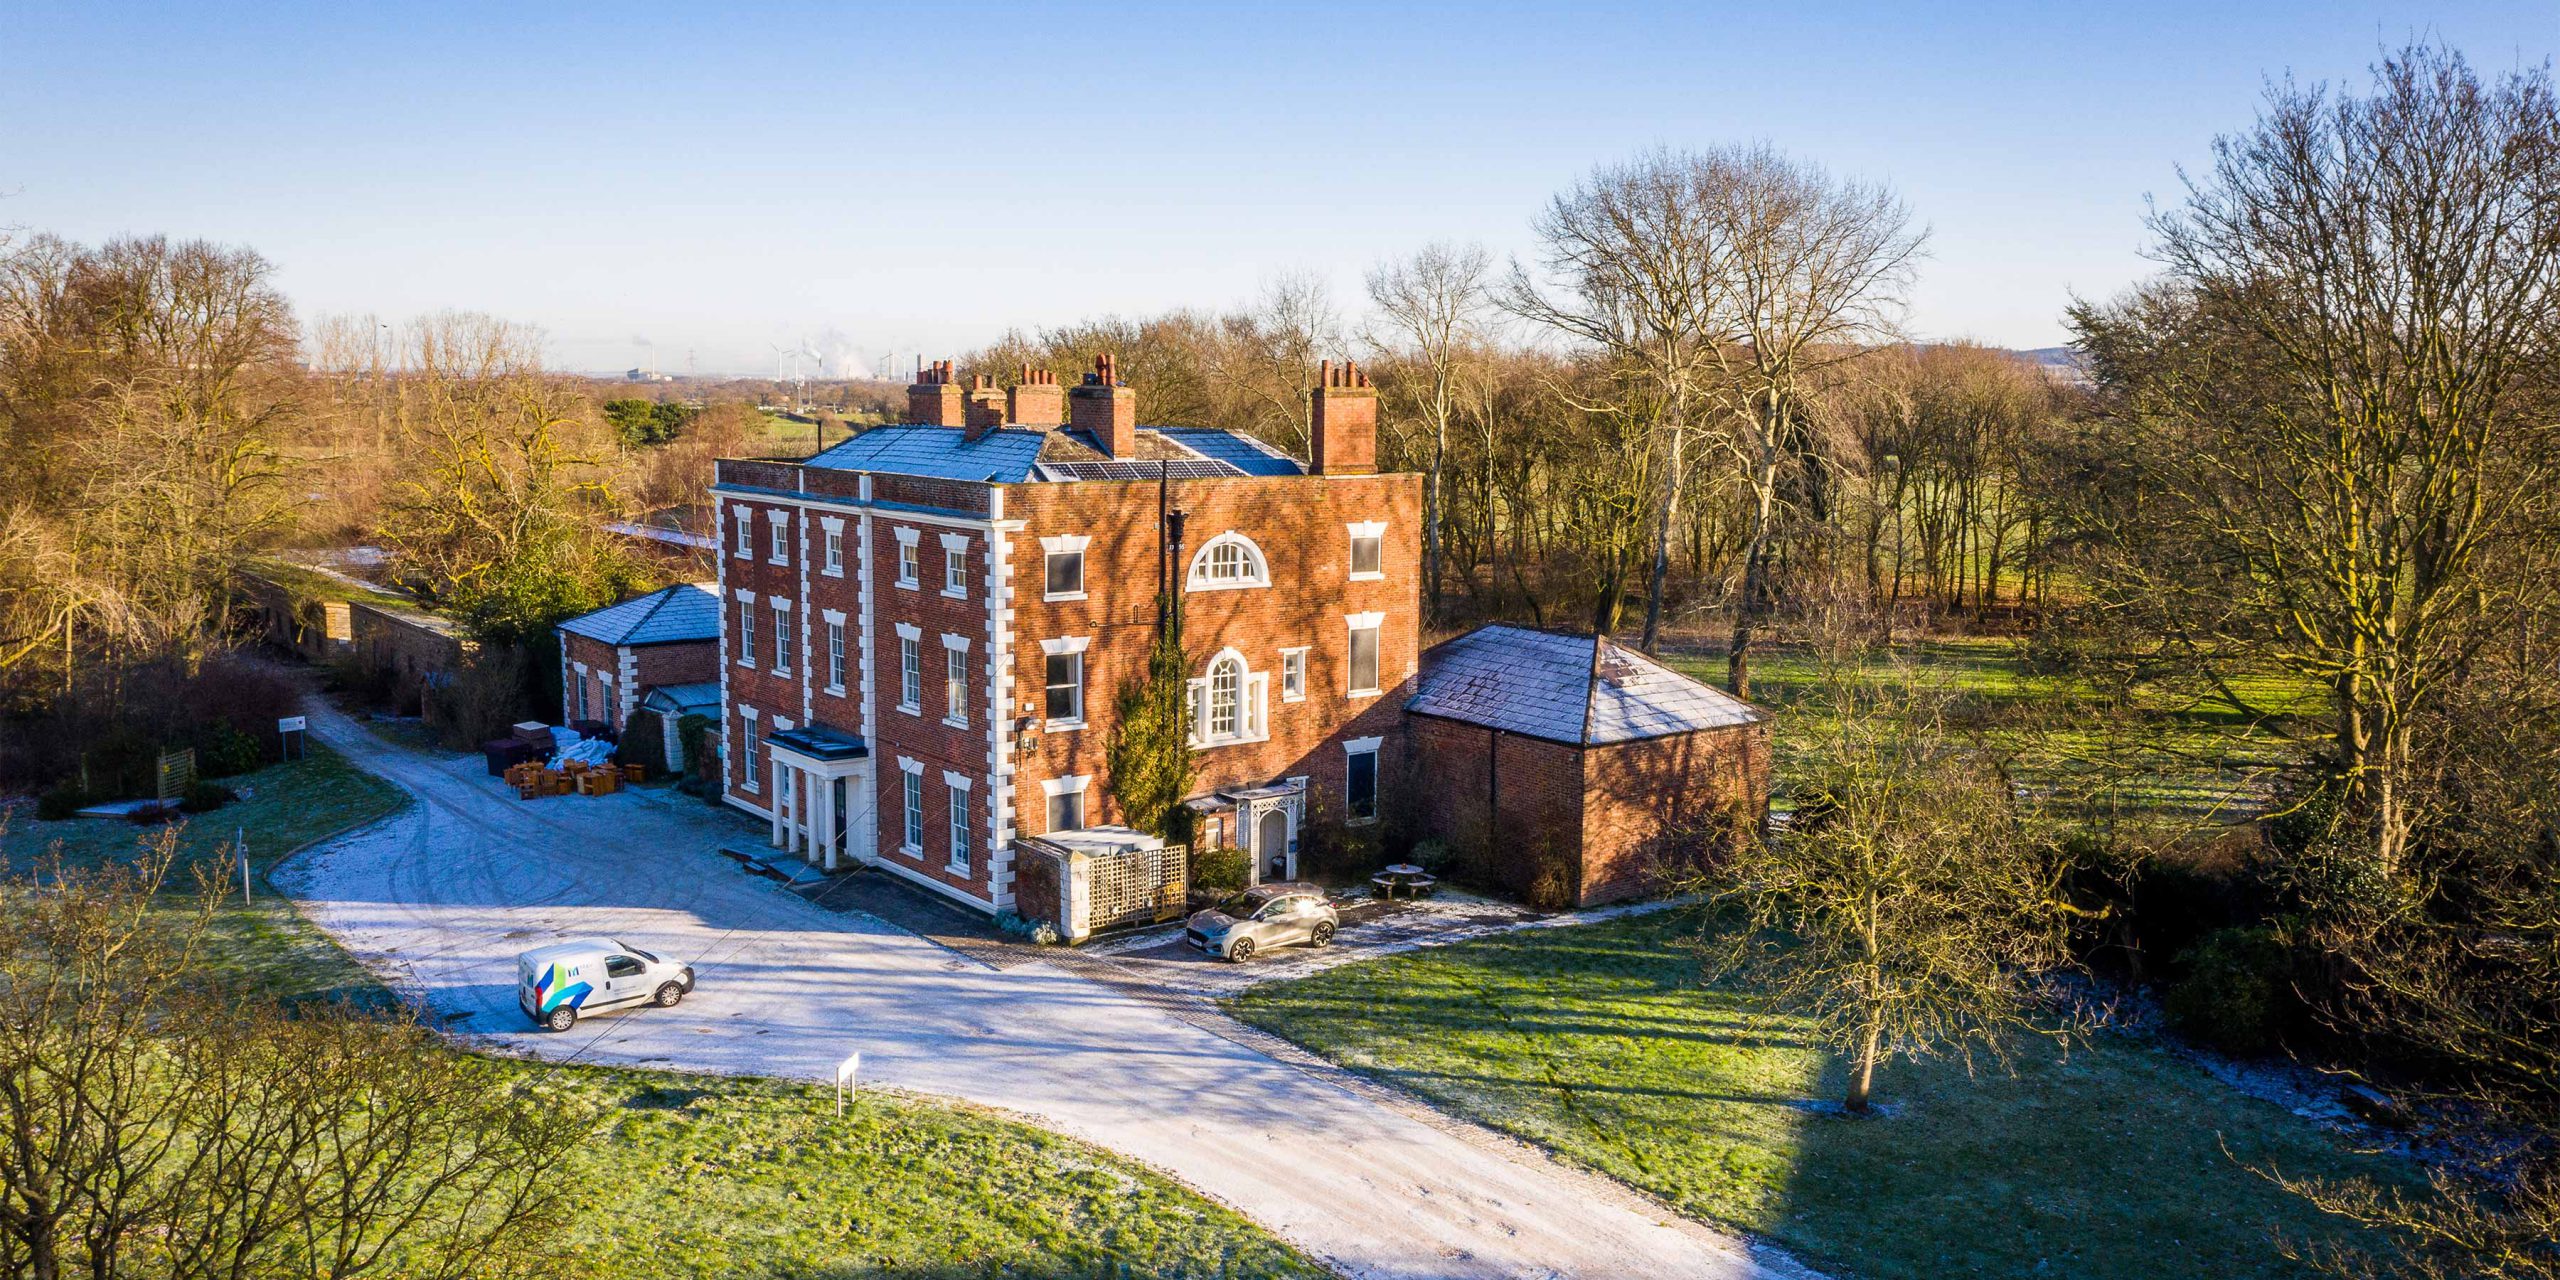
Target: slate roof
685,611
683,697
1017,455
1543,685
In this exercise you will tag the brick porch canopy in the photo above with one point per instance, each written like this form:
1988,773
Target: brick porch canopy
1577,774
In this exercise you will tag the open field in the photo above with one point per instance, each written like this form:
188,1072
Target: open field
2180,760
1598,1043
282,808
714,1176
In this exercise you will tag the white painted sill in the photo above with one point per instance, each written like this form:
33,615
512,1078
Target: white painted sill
1062,726
948,722
1368,577
1047,598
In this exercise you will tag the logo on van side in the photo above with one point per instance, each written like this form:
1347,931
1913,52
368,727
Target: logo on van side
554,989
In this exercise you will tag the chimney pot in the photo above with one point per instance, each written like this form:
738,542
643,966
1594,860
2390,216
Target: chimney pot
1343,422
933,401
1036,400
1105,410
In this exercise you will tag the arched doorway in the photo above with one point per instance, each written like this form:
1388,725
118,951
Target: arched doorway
1271,846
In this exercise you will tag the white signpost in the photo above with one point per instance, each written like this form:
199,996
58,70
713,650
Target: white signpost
845,1084
290,729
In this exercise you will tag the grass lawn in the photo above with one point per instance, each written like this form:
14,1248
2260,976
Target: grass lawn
2186,761
1596,1042
702,1176
283,807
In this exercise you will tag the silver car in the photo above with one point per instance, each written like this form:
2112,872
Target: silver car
1266,916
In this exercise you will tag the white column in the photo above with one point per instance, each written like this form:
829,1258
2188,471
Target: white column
827,821
799,811
773,779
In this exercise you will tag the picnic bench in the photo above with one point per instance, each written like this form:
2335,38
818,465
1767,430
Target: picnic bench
1412,879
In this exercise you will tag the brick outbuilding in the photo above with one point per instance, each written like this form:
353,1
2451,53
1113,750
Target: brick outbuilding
1576,771
611,658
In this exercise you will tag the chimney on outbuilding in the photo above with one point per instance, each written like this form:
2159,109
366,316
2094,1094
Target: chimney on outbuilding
1105,410
1343,427
934,400
1036,400
985,409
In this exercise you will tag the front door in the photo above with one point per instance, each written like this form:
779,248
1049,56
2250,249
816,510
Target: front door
1271,853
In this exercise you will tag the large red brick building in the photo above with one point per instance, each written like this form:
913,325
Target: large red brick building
925,627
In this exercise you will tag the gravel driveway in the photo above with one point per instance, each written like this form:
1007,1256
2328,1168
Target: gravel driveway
441,898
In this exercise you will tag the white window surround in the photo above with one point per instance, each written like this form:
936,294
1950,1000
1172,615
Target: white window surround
911,817
782,637
746,656
955,565
907,555
964,835
749,766
1360,622
1074,785
1064,544
1293,674
910,668
1370,529
1063,647
833,527
781,551
1249,714
835,650
743,519
1219,556
955,681
1368,747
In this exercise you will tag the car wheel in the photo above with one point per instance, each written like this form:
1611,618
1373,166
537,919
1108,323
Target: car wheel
1240,950
561,1019
1321,935
669,993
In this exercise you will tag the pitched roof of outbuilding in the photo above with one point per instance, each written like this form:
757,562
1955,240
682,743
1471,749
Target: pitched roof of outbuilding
685,611
1543,685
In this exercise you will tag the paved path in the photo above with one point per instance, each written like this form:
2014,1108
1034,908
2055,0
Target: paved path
441,898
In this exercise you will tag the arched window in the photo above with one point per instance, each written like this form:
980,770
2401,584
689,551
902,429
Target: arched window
1226,697
1228,561
1228,702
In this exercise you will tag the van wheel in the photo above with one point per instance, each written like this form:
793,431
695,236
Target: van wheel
561,1019
1240,950
669,993
1322,934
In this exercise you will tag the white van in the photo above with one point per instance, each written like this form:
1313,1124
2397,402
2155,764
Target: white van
557,983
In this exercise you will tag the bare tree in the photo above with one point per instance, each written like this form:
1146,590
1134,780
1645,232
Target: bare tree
1912,904
154,1122
1723,281
2338,406
1816,274
1433,305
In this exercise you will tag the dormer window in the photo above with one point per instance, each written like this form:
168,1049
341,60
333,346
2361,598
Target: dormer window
1227,562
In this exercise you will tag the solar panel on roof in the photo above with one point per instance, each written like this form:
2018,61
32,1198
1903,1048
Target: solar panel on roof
1128,469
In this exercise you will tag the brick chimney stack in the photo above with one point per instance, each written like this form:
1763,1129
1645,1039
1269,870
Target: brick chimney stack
1106,410
1036,400
934,400
1344,424
984,411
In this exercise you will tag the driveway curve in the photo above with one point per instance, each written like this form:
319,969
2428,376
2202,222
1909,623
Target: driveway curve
440,898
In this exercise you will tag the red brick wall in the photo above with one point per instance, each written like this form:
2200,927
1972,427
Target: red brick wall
755,685
1298,523
693,662
602,660
924,735
1510,808
1649,808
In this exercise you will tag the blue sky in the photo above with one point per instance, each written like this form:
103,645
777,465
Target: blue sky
919,179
